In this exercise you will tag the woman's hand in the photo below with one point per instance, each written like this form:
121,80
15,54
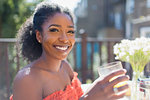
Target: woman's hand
103,89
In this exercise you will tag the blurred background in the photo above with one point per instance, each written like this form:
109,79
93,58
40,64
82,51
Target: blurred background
99,24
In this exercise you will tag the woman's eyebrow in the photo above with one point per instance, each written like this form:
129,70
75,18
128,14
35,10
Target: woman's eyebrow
70,26
60,26
55,25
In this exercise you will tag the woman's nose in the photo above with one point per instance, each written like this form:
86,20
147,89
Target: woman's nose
63,38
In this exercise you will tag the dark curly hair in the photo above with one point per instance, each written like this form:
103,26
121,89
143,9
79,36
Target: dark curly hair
30,48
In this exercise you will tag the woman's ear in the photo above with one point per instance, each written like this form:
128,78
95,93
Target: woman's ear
38,36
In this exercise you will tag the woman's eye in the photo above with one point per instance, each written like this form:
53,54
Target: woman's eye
53,30
72,32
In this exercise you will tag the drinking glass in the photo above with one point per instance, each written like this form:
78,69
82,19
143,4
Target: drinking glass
110,68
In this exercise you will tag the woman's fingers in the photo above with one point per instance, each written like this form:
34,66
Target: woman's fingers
123,88
106,85
117,73
118,80
115,97
110,81
121,92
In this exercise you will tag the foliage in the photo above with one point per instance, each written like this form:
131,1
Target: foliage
12,14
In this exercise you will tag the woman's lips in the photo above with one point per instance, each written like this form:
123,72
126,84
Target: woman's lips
63,48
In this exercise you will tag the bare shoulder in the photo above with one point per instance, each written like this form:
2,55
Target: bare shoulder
25,74
26,85
68,67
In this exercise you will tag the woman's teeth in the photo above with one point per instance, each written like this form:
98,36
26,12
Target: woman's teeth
62,48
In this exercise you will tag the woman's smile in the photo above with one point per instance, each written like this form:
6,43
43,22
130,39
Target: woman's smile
62,48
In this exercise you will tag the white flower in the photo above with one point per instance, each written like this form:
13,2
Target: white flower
133,50
125,41
127,58
136,47
116,57
116,50
121,54
146,50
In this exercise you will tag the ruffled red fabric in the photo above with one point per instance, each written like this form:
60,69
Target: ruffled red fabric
72,91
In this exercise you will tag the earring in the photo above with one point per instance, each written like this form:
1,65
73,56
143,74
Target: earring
39,41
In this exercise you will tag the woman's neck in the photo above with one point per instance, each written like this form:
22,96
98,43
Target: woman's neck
48,63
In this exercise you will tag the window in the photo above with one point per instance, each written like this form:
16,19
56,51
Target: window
130,6
111,18
118,24
148,4
145,32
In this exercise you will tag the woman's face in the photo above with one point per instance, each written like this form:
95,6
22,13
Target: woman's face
58,36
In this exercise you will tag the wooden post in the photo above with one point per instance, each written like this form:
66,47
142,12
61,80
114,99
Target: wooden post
74,55
18,61
0,26
7,71
92,58
108,52
84,57
100,52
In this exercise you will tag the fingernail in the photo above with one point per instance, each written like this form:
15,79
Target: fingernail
125,70
128,76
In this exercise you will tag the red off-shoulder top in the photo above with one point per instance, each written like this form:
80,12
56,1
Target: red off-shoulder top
72,91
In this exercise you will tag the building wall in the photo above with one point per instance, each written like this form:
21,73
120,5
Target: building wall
142,15
101,18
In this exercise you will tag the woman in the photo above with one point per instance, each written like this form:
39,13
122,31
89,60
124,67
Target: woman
46,39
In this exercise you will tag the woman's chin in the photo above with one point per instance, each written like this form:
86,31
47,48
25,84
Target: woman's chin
61,57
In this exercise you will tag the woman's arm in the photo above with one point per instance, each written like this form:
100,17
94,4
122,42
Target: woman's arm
102,89
26,87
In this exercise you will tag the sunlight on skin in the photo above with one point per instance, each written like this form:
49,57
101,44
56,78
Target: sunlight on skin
27,71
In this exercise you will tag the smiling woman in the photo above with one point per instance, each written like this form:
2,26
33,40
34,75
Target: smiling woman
46,39
57,36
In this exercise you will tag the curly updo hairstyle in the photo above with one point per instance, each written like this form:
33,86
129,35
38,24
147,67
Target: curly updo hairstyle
30,48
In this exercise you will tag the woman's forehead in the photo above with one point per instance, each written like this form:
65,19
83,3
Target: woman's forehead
58,16
60,19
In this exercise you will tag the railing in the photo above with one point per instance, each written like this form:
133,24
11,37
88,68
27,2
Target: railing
87,54
104,51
